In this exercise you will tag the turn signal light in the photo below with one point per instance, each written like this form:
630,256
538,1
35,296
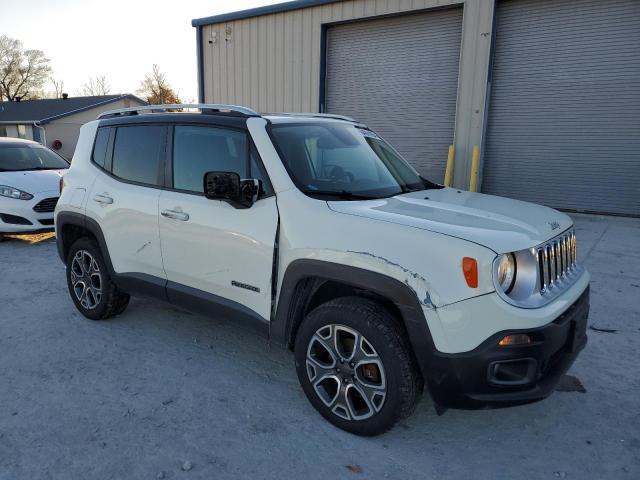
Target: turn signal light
470,270
516,339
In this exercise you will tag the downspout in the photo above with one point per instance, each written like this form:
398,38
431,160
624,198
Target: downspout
200,61
42,134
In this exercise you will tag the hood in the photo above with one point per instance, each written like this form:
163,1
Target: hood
501,224
33,181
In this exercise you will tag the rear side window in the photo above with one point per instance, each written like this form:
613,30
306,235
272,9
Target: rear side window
197,150
100,146
137,154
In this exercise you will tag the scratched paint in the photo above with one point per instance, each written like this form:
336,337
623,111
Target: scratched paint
414,281
143,247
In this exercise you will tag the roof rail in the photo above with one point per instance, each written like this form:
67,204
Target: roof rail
318,115
203,107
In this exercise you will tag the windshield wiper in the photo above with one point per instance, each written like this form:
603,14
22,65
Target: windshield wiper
346,195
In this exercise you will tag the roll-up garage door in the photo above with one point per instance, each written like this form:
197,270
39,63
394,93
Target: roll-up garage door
564,117
399,75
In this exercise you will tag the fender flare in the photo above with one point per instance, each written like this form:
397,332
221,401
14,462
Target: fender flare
87,225
402,296
133,282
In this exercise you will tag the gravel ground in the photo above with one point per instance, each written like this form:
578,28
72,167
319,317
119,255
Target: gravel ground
161,393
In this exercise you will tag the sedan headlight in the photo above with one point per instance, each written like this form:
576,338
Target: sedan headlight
7,191
506,271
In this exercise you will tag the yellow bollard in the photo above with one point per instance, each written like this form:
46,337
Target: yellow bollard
475,165
448,174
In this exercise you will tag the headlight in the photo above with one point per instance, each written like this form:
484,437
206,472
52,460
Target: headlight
506,272
7,191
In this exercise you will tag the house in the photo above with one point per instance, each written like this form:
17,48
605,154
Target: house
56,122
548,90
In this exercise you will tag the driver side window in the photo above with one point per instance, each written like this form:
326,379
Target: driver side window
197,150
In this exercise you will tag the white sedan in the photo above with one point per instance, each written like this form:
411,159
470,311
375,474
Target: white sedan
29,186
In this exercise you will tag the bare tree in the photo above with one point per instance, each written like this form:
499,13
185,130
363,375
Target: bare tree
96,86
22,72
58,86
155,88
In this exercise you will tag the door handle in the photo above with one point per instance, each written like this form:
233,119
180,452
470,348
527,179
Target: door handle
175,215
103,199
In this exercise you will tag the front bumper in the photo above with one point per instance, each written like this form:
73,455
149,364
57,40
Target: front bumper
19,216
494,376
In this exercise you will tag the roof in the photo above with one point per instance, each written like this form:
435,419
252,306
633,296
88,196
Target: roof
46,110
256,12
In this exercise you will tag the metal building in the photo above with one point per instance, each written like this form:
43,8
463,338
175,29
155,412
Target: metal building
548,89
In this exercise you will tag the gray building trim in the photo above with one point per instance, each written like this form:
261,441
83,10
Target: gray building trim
255,12
200,64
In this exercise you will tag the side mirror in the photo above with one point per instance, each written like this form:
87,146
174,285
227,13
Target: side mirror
228,187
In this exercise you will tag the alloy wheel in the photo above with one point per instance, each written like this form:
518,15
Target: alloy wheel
86,279
346,372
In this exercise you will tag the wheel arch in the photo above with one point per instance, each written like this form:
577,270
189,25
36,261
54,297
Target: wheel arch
309,283
71,226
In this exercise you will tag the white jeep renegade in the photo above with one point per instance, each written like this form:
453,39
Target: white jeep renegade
314,230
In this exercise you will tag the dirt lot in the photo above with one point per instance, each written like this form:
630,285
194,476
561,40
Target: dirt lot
139,396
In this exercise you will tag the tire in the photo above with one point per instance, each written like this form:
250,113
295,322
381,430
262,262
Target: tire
383,367
89,283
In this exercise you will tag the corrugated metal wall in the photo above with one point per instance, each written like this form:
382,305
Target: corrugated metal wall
272,62
399,75
564,119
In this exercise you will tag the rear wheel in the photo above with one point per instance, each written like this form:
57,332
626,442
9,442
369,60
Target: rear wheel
355,366
90,286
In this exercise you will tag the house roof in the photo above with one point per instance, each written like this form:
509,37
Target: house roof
255,12
46,110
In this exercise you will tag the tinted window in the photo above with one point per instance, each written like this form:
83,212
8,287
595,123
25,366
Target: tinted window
17,158
343,161
137,154
100,147
258,172
197,150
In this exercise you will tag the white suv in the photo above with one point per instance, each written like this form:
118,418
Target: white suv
314,230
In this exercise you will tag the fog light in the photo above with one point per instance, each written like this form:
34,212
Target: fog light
516,339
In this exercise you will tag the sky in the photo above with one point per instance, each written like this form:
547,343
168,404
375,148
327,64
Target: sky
121,39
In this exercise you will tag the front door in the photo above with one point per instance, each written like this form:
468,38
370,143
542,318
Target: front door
216,251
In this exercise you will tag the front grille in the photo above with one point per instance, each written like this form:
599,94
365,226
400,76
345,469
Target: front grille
557,259
14,219
47,205
46,221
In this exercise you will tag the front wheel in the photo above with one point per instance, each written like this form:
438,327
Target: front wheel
90,286
355,366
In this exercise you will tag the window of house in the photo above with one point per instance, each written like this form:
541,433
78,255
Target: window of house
3,131
22,131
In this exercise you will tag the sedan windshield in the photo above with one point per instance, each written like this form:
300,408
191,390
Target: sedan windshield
344,162
29,157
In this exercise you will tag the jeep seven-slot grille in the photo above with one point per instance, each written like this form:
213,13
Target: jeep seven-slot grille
556,259
47,205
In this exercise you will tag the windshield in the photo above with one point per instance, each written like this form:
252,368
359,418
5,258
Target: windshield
344,162
29,157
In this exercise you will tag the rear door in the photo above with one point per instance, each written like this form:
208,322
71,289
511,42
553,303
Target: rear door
210,249
124,197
